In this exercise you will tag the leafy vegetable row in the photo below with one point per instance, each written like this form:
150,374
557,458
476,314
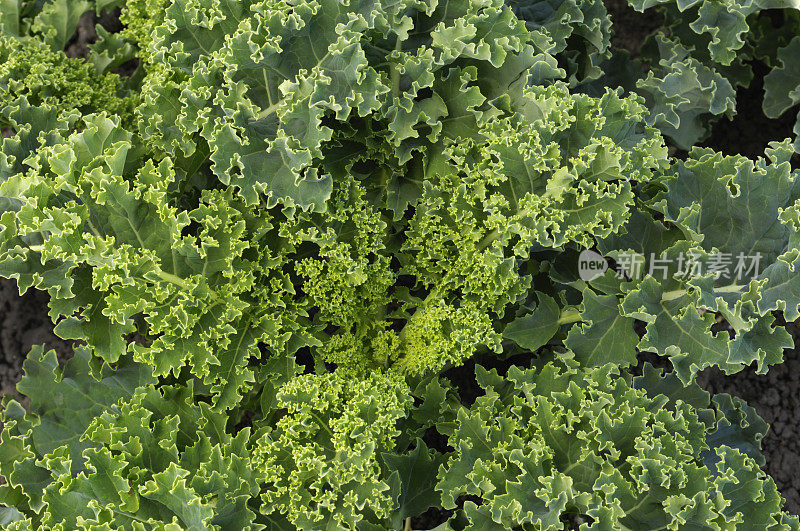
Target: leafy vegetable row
275,238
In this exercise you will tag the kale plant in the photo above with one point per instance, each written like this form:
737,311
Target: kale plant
293,234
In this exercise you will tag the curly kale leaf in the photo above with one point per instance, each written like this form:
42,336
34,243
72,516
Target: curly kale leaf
259,83
545,172
29,68
580,31
681,93
681,271
542,444
782,86
321,464
90,206
47,441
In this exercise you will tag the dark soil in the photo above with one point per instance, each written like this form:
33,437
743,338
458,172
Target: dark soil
750,131
776,398
78,46
23,323
631,28
85,35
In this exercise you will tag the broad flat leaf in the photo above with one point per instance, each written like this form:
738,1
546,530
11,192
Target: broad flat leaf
417,475
606,336
9,17
683,93
676,331
169,488
782,84
57,21
738,426
537,328
753,496
763,343
657,382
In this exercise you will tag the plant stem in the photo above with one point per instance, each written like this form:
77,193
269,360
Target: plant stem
678,293
163,275
569,316
178,281
487,241
274,107
269,110
394,72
